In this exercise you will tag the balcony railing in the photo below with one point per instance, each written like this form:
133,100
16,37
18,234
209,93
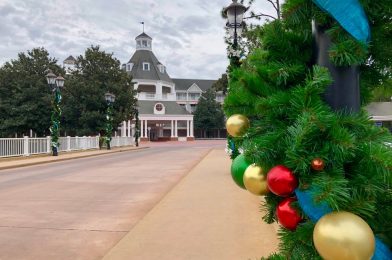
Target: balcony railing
153,96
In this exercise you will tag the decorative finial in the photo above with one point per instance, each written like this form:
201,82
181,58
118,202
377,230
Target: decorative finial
143,26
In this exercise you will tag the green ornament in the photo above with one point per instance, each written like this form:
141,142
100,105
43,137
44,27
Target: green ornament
238,169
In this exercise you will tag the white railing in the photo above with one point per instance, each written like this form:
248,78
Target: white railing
68,143
121,141
153,96
11,147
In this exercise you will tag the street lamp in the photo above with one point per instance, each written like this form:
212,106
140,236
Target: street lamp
110,98
55,83
235,15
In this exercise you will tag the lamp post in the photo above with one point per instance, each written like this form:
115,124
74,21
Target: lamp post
55,83
137,129
235,15
110,98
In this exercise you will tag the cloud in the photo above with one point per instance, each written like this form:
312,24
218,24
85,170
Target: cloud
188,35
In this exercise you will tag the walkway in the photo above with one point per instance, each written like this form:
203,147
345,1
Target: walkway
205,217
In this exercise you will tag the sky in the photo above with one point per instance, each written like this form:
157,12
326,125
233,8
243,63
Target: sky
188,35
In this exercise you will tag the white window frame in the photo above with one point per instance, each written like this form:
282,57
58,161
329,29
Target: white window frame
148,65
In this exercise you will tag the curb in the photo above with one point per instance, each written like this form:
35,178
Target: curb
71,158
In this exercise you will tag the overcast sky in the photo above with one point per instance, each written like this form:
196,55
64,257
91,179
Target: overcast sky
188,35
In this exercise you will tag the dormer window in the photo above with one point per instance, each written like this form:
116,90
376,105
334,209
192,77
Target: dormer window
129,66
146,66
161,68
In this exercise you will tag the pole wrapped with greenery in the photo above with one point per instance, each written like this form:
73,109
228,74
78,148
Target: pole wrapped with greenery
55,121
137,127
109,125
320,164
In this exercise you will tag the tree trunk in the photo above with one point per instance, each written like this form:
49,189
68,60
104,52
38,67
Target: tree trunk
344,93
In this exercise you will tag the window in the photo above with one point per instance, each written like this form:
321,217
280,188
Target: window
129,66
181,96
161,68
139,44
146,66
159,107
194,96
144,43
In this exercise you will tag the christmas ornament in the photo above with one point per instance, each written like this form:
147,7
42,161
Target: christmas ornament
288,216
237,125
255,180
238,169
281,181
343,236
318,164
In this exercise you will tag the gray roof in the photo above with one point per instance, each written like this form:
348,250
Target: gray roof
380,108
171,108
143,35
185,84
137,72
70,58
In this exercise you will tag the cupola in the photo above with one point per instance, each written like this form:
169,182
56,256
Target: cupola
143,42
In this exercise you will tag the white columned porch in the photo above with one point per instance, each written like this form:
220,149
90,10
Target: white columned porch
145,128
142,128
192,129
176,128
172,128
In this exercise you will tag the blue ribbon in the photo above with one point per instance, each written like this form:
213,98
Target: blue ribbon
350,15
315,211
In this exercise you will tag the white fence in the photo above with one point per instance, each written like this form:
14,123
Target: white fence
122,141
10,147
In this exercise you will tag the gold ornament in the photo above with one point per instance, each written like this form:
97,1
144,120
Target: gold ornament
237,125
343,236
255,180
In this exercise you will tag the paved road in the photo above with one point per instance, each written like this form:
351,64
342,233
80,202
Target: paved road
80,209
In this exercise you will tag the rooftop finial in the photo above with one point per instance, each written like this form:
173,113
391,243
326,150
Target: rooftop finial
143,25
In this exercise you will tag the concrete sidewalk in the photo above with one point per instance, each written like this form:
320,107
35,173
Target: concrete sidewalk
206,216
16,162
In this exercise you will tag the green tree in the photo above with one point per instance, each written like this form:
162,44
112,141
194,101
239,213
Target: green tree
209,114
280,90
383,93
25,98
221,84
97,72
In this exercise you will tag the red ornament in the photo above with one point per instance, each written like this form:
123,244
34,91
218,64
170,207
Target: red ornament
281,181
288,216
318,164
